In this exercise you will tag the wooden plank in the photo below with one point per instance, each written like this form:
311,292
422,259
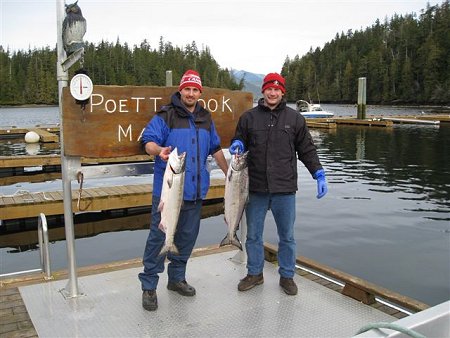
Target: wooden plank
13,131
23,131
7,200
116,115
44,160
366,122
29,161
324,125
55,195
45,136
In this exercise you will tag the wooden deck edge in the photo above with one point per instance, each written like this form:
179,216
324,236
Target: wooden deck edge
360,289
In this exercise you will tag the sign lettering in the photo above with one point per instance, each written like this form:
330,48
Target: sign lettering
115,117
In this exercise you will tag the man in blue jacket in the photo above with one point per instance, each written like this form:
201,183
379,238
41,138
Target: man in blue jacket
186,125
275,136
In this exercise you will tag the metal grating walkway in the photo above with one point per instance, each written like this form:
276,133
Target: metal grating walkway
111,306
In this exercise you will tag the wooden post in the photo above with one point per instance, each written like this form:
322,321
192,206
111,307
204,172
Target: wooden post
361,98
168,78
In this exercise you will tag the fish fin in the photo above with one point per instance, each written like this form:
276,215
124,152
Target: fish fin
160,206
170,182
162,227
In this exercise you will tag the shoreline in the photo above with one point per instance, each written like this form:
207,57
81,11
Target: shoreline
29,106
444,108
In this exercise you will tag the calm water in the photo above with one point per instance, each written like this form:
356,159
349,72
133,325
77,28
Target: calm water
385,218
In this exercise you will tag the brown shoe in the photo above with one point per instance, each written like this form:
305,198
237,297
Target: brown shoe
183,288
149,300
250,281
288,285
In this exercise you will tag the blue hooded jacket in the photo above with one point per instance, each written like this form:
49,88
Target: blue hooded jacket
193,133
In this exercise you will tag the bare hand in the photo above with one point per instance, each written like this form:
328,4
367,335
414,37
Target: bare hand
164,153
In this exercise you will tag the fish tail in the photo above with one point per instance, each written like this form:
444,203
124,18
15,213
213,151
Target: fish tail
169,248
231,241
236,242
225,241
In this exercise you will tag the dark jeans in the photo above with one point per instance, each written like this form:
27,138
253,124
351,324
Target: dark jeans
185,237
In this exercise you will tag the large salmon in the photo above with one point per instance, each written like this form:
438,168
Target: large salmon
172,199
236,196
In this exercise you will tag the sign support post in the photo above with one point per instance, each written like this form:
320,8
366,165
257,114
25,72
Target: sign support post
71,289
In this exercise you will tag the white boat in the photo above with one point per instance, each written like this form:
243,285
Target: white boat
308,109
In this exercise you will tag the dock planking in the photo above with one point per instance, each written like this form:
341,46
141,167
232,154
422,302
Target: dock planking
46,160
23,131
31,204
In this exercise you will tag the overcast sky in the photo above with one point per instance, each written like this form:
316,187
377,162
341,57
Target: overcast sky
249,35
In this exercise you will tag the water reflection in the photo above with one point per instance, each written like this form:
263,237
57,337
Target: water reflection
413,160
32,148
386,216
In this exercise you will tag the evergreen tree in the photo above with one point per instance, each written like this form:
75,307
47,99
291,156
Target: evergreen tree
30,77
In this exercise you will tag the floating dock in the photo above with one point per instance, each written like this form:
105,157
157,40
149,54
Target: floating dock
28,204
112,293
46,134
410,121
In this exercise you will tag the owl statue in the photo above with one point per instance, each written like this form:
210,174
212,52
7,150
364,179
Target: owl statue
73,29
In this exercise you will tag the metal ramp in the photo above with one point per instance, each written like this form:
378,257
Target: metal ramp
111,306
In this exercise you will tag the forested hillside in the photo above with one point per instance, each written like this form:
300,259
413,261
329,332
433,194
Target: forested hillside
29,77
406,59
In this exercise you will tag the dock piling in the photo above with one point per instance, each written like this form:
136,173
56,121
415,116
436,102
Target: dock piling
361,98
169,78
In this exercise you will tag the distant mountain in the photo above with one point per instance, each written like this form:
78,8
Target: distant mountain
252,81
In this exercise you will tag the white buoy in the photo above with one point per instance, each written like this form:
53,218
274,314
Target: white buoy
31,137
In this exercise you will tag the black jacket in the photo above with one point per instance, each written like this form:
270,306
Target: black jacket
274,139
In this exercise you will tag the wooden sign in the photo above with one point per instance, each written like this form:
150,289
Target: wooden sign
111,125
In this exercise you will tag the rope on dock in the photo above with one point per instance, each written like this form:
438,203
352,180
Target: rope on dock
22,192
391,326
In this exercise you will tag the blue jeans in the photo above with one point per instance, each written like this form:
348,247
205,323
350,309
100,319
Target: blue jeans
185,237
283,211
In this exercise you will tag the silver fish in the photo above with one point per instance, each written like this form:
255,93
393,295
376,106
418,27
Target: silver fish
172,199
236,196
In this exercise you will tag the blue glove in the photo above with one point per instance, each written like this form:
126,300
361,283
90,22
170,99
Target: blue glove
237,147
322,188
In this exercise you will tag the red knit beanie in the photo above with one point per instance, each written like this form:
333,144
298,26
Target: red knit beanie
190,79
274,80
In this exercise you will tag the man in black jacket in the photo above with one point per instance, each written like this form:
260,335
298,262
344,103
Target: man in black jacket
275,136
